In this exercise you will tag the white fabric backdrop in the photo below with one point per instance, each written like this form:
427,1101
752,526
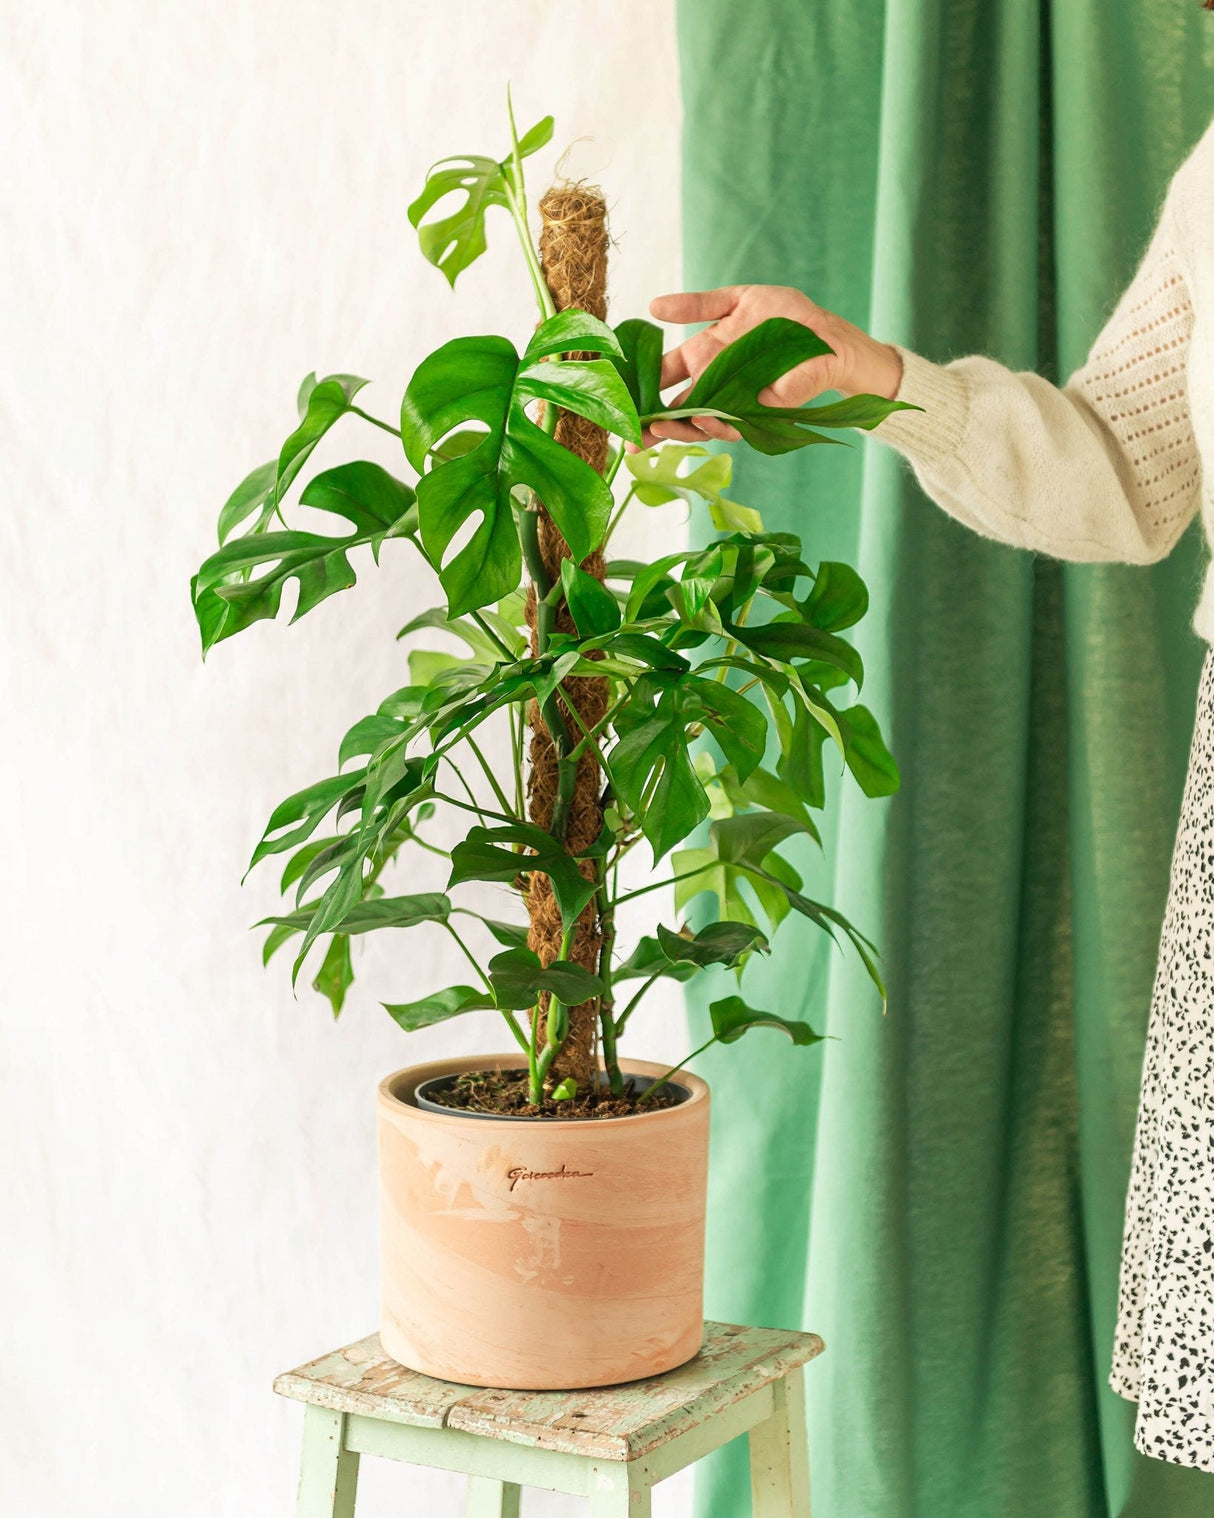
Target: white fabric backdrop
201,204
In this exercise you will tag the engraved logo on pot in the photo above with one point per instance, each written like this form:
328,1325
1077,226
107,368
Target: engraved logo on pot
521,1173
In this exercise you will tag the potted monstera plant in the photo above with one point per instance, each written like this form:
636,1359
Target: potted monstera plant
543,1208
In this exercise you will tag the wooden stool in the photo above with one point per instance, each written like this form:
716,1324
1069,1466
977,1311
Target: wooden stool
612,1445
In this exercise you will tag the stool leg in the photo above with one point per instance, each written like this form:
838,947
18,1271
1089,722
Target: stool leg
779,1457
489,1498
619,1490
328,1476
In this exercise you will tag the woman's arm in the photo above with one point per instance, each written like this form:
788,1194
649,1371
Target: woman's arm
1103,469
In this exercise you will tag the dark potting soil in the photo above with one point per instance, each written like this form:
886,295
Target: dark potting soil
503,1093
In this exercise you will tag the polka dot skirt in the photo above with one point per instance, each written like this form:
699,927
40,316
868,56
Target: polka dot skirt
1163,1356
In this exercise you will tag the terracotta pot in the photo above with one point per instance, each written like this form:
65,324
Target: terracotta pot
540,1254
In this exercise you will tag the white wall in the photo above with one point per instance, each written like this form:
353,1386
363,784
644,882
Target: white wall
200,204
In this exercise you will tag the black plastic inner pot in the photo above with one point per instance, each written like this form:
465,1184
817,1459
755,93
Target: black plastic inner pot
639,1083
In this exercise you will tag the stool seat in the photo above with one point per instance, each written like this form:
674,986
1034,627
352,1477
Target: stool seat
744,1380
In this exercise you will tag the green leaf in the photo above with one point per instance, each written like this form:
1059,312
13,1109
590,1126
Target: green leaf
718,943
566,1091
536,137
800,765
788,640
328,402
741,850
658,480
254,493
453,241
367,734
368,916
518,978
866,754
512,934
483,379
569,982
826,918
336,973
731,1018
489,854
729,387
374,502
737,724
299,815
649,958
595,611
839,598
376,506
479,643
640,364
670,807
437,1007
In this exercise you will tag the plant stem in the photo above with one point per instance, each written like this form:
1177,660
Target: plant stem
476,806
480,811
489,633
659,885
622,1021
619,512
556,1028
516,195
607,1023
674,1070
489,775
613,468
469,956
375,421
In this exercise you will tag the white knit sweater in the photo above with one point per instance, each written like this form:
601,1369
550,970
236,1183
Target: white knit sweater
1111,466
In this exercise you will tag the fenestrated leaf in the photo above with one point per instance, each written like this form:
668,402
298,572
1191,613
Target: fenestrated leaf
488,854
374,503
656,472
737,724
484,379
437,1007
729,388
731,1018
453,241
670,808
595,611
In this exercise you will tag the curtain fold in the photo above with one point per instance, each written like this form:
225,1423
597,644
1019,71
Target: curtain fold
939,1192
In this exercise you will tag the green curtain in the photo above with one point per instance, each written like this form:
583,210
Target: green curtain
940,1192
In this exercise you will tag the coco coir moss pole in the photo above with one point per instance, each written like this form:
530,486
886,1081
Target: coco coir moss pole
573,256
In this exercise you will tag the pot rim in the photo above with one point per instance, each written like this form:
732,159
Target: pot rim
396,1090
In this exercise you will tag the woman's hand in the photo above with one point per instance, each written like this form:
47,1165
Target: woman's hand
858,365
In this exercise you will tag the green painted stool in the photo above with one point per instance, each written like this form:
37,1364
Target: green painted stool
611,1445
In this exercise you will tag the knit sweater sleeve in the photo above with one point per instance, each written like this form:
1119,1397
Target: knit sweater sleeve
1105,468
